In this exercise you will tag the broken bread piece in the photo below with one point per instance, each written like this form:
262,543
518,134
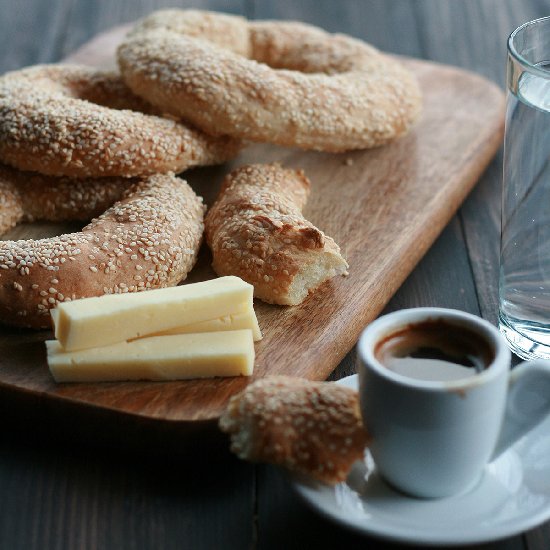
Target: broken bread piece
308,427
256,231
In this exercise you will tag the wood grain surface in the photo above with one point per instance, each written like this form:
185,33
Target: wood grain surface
385,207
64,486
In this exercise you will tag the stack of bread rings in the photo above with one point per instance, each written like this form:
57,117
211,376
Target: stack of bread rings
78,143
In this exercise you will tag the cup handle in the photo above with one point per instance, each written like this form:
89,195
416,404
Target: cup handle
527,404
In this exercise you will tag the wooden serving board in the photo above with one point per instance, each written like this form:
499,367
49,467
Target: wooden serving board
385,207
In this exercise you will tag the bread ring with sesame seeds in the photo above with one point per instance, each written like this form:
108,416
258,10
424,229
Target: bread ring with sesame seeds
281,82
68,120
312,428
256,231
149,238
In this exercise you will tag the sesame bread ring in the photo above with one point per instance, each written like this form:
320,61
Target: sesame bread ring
148,238
65,120
256,231
282,82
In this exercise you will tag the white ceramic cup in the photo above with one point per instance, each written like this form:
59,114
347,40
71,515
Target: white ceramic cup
434,438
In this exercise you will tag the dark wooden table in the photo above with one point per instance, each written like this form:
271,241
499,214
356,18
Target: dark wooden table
74,489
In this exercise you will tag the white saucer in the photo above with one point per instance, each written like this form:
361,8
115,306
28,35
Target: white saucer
512,496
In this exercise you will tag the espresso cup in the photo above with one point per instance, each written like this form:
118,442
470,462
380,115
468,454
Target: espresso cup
439,399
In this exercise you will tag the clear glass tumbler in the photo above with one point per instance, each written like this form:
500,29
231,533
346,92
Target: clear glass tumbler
524,287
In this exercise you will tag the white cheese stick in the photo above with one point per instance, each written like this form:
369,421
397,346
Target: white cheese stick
174,357
237,321
95,322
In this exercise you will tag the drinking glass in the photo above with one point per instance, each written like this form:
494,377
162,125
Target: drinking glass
524,286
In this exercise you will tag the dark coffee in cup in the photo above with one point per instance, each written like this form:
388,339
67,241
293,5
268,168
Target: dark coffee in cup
434,350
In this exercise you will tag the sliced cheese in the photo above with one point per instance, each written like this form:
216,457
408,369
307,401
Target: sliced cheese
174,357
95,322
237,321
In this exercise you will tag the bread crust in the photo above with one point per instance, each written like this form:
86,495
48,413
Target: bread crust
270,81
70,120
149,238
312,428
256,231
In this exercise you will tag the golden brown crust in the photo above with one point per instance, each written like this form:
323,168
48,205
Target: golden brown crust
148,239
30,196
226,31
256,231
313,428
66,120
298,85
